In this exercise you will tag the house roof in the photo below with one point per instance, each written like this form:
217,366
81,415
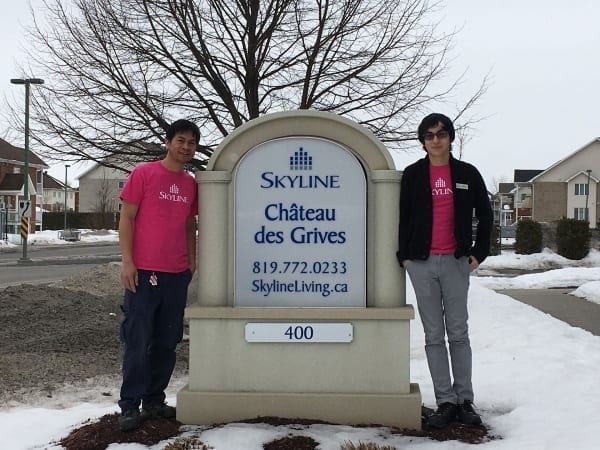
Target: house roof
505,188
524,175
126,164
52,183
12,182
16,155
584,173
566,158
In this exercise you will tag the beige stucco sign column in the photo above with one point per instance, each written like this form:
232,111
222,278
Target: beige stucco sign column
301,306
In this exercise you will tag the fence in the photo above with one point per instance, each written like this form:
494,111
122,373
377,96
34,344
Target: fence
3,224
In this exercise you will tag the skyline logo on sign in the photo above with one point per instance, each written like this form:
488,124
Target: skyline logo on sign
301,160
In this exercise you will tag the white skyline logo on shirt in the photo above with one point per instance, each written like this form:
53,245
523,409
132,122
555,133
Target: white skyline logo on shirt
173,195
440,188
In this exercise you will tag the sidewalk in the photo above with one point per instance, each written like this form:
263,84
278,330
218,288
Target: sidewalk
558,303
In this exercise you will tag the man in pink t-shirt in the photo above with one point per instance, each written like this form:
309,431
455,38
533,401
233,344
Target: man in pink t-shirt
437,199
157,236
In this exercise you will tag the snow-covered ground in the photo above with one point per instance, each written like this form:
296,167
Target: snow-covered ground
51,237
535,377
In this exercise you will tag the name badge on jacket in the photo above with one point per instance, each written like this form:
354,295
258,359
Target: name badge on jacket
462,186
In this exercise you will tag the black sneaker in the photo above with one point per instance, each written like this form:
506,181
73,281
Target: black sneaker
467,414
129,420
157,411
443,416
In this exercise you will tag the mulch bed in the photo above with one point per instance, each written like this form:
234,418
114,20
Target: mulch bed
100,434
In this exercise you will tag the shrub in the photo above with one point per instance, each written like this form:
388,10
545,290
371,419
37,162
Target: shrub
573,238
528,238
94,221
495,241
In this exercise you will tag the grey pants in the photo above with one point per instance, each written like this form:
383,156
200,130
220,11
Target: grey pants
441,285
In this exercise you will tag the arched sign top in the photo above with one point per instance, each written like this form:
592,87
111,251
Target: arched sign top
360,141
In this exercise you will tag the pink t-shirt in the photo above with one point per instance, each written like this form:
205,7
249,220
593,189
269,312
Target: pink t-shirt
165,199
442,239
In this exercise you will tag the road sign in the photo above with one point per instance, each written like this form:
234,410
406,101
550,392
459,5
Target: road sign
24,227
25,208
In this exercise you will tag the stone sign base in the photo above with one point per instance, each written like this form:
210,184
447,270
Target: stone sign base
365,381
397,410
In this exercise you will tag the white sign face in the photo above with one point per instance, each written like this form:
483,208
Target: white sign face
300,225
25,208
299,332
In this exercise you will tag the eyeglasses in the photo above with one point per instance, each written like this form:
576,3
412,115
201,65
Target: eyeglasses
442,134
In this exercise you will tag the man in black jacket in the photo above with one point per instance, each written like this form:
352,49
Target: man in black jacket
438,196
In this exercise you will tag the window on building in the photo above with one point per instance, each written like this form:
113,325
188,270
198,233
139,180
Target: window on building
121,184
581,214
581,189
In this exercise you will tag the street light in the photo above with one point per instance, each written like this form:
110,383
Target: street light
66,169
27,82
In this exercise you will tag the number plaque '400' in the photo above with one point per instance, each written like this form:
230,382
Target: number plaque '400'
299,332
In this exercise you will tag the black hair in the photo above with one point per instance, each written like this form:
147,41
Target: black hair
431,121
183,125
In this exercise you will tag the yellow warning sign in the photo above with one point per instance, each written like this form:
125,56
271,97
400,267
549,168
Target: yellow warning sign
24,227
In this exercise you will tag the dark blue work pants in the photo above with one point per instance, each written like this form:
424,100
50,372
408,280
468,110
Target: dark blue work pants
151,329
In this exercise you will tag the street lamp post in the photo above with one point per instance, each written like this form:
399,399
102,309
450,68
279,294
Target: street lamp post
65,221
587,194
27,82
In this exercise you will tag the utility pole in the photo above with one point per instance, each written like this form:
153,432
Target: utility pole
65,221
587,194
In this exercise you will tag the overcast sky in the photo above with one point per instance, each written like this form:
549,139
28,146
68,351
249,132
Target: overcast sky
543,102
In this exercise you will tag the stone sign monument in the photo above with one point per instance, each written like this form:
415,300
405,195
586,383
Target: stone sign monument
301,307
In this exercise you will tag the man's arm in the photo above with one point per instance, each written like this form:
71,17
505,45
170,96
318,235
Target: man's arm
485,218
404,219
190,234
129,275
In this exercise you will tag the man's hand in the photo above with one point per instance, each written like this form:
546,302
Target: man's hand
129,276
473,263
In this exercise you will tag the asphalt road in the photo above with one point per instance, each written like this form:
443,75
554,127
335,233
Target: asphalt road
52,263
57,253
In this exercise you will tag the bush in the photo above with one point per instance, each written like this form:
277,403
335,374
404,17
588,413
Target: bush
528,238
495,241
94,221
573,238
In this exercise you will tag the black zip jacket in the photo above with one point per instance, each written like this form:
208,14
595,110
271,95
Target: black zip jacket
416,211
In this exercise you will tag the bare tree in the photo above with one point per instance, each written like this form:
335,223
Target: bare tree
119,71
105,202
495,183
